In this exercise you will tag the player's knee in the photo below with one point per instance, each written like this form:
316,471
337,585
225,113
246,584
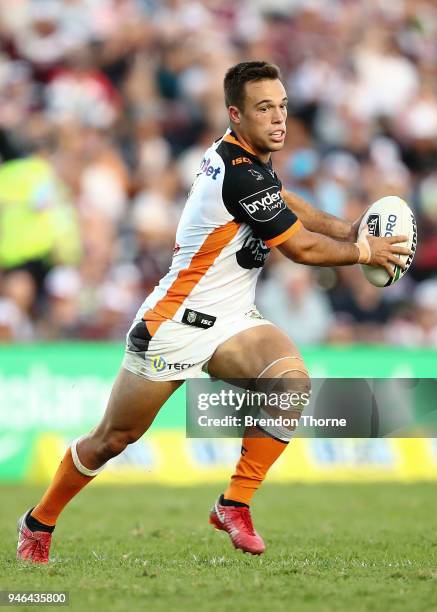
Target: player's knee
297,380
288,375
114,442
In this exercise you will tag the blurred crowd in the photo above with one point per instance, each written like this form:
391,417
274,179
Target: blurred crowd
106,107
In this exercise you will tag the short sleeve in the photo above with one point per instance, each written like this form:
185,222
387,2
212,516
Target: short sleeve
259,203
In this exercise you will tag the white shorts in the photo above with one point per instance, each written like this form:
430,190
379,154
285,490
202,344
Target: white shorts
178,351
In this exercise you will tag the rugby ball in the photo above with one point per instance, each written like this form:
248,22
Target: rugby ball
389,216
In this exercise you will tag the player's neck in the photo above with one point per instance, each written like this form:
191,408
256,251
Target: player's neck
262,155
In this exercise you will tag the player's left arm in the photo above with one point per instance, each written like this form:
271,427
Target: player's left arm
321,222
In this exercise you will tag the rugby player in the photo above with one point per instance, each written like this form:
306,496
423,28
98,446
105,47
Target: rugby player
201,316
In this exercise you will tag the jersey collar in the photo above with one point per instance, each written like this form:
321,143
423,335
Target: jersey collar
231,137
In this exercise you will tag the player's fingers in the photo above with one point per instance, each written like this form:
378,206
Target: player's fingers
398,250
397,261
389,268
396,239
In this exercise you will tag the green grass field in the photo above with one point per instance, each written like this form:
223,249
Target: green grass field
330,547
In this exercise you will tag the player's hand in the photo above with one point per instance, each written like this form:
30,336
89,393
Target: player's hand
382,251
355,226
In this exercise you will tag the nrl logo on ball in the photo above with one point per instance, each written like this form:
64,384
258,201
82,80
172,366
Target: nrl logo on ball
373,223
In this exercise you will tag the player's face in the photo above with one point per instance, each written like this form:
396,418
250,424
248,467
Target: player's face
262,121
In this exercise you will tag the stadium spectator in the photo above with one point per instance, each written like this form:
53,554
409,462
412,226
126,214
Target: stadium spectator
116,100
299,307
38,225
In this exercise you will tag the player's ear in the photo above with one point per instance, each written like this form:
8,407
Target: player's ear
234,114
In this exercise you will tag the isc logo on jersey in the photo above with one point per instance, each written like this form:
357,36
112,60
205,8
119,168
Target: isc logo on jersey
264,205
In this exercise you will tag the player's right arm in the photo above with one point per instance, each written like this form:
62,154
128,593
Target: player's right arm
317,250
261,206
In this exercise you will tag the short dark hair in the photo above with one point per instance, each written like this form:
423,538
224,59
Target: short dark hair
240,74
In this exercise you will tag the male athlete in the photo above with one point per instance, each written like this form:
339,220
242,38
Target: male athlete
201,316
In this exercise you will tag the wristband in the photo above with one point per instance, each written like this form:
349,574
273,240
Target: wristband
364,255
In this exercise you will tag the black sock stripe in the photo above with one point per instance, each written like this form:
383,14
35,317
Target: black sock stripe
270,435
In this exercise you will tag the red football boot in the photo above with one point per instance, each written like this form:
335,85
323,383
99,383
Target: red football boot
237,522
32,545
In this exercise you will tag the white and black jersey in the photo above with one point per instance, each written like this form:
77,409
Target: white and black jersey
233,215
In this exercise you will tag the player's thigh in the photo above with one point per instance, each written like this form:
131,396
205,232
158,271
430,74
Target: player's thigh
261,351
134,402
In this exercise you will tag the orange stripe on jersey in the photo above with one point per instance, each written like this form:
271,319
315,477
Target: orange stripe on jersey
233,140
283,237
188,278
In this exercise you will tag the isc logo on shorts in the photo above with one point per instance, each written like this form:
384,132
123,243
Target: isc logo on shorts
264,205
